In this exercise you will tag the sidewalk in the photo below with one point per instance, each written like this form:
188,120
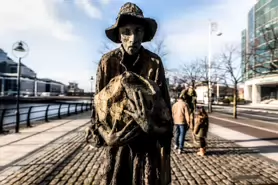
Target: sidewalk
251,106
260,124
67,160
15,146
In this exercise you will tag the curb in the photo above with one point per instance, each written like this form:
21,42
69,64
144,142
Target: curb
249,109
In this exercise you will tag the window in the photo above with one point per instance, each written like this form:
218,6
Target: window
10,85
13,69
273,13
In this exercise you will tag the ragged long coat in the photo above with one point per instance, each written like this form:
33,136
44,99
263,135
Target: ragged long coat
146,160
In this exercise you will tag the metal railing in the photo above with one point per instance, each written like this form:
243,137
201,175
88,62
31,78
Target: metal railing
31,114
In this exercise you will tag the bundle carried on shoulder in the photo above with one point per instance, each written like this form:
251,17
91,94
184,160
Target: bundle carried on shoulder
112,100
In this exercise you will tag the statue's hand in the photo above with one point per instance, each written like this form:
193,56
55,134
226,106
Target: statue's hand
142,115
139,113
122,137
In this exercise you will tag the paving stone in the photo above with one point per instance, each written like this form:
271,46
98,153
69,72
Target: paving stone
68,161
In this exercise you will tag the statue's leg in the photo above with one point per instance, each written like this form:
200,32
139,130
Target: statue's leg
166,164
88,133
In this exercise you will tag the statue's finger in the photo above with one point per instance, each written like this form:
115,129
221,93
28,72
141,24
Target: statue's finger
120,133
131,105
156,75
114,127
130,135
142,102
129,113
136,103
150,73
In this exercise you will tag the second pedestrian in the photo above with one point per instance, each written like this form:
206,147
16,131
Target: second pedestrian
181,119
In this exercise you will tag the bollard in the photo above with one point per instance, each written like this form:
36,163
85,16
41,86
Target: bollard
2,121
82,107
69,110
28,123
46,113
59,111
76,108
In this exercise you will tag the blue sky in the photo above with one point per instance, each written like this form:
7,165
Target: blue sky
65,36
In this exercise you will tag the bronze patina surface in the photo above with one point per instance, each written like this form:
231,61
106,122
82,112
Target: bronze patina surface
133,113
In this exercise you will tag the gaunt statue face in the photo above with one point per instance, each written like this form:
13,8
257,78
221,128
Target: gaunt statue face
131,36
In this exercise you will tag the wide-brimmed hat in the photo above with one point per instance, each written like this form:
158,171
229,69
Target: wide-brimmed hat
131,12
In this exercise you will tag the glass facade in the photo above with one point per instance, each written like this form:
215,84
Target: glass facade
262,24
243,56
8,86
41,87
251,26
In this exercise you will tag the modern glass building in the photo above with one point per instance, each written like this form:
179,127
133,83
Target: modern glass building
260,53
29,83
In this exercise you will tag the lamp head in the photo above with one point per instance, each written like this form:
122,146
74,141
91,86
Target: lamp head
20,49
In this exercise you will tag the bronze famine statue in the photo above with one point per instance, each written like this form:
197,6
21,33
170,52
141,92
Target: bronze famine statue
132,106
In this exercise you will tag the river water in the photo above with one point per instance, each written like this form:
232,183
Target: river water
13,105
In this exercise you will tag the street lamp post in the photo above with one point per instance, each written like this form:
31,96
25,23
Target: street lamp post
20,50
92,79
217,90
212,29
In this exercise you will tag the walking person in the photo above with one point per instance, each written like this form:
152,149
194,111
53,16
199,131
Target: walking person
189,95
201,130
181,119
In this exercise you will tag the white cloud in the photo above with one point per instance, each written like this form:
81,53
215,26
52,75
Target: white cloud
87,6
105,2
56,52
187,36
33,15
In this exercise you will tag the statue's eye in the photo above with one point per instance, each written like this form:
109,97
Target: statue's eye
139,30
126,31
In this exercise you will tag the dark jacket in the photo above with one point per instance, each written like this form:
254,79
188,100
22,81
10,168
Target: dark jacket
202,125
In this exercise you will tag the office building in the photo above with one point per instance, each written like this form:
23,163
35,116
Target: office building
260,53
29,83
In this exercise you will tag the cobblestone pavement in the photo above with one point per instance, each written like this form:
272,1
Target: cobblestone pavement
69,161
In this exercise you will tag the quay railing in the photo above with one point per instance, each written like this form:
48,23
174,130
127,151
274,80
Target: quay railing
31,114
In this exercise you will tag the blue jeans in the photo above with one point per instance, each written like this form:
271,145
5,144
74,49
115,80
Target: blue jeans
180,135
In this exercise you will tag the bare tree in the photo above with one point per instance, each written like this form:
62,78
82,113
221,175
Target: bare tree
217,72
190,73
106,47
230,60
158,46
196,72
261,56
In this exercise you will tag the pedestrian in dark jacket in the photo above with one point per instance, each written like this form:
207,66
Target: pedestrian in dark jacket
201,130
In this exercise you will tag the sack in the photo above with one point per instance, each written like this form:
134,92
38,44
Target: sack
112,100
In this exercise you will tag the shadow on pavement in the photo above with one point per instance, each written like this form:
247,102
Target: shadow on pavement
257,139
241,150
